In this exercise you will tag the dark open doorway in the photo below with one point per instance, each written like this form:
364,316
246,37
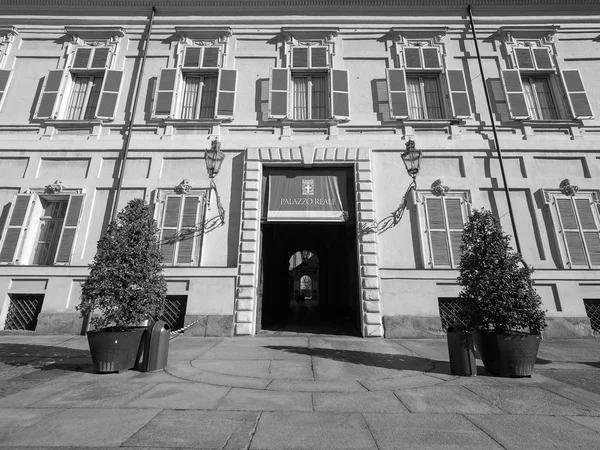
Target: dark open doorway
332,305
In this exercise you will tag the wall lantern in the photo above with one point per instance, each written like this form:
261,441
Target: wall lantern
214,158
412,159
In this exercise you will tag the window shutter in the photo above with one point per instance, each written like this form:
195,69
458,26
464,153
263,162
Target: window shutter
109,94
100,59
523,58
81,60
591,233
210,58
513,88
5,77
191,57
16,225
51,92
437,232
278,93
339,94
169,228
318,57
166,89
396,82
226,93
543,58
455,225
578,99
189,220
431,58
412,58
69,230
459,97
299,57
571,232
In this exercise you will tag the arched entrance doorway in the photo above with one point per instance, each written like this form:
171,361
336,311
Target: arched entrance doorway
317,261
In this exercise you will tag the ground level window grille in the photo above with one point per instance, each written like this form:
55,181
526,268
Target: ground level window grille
592,309
23,311
450,311
174,313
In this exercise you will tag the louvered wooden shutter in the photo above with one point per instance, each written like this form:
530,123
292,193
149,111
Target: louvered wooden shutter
571,232
210,57
226,93
590,228
437,232
101,58
524,58
318,57
5,77
300,57
16,225
109,94
578,99
81,60
396,82
339,94
188,230
431,58
191,57
278,93
454,212
513,88
69,230
51,93
543,58
170,227
459,97
166,90
412,58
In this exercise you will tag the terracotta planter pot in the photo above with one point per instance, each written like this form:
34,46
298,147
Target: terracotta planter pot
507,355
114,351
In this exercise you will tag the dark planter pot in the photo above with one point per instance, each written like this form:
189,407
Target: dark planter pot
507,355
115,351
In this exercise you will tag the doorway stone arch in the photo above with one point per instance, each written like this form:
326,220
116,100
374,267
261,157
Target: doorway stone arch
306,156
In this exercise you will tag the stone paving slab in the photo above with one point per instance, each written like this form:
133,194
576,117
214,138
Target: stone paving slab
383,401
445,399
197,429
181,396
84,427
14,420
404,382
427,431
257,400
316,386
530,400
312,430
536,432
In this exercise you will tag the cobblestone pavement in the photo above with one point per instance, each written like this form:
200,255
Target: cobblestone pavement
295,392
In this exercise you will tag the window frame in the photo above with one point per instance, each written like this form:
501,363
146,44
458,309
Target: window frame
552,198
536,106
309,90
427,251
200,95
423,100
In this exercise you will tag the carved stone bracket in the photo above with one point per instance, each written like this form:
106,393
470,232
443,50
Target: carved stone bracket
8,34
206,35
184,187
542,34
438,188
309,35
54,188
95,35
567,188
430,35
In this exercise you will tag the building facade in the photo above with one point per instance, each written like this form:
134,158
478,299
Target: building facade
312,104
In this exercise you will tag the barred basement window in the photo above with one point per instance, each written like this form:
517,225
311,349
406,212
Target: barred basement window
23,311
174,313
592,310
450,311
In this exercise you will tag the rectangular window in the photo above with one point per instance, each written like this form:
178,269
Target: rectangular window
199,95
84,98
443,219
309,97
538,96
580,229
51,223
182,229
424,97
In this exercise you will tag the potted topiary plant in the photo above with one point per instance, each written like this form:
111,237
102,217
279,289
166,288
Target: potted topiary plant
125,288
500,304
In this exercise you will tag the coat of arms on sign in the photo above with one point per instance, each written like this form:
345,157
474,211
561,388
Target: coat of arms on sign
308,186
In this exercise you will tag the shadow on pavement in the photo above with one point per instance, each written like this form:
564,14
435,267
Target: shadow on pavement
45,357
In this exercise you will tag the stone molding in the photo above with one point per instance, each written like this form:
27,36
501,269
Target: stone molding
305,155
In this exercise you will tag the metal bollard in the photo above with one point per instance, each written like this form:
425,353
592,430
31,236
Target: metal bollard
156,347
460,350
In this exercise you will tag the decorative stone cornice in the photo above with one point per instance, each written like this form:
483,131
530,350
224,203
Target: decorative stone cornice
306,35
509,34
402,33
184,187
94,34
567,188
438,188
201,35
8,34
54,188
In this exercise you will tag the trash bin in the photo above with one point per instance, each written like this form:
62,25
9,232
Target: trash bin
156,347
460,349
